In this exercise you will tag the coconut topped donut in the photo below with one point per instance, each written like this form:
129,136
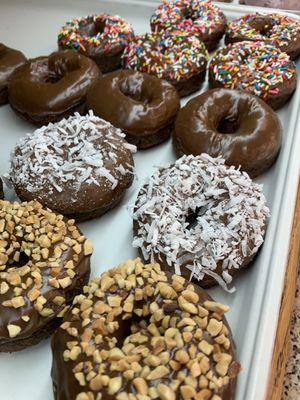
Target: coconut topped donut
277,29
138,333
80,166
201,219
44,262
202,18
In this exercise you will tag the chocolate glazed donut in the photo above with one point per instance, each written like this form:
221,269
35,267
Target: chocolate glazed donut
10,60
143,106
233,124
47,89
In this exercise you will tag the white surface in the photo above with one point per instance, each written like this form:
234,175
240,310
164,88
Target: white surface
32,26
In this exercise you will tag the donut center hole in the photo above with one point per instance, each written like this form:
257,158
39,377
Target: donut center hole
59,67
133,89
92,28
191,219
23,260
262,26
228,125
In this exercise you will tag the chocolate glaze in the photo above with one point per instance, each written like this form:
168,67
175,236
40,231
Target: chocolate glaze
46,89
10,60
142,105
67,387
233,124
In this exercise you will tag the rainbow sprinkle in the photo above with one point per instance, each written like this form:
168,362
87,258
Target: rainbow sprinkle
200,17
256,67
172,57
116,33
283,30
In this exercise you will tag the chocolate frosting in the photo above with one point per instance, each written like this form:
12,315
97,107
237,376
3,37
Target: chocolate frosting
233,124
77,358
46,88
10,60
138,103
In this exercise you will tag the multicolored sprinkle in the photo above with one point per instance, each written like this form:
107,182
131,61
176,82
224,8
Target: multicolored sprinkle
256,67
188,15
283,29
114,32
169,56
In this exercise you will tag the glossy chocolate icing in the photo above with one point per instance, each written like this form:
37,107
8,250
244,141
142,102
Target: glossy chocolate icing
233,124
66,385
139,104
10,60
46,89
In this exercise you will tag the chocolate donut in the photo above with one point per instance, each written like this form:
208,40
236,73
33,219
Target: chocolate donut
79,167
10,60
47,89
279,30
143,106
202,18
178,57
140,333
101,37
236,125
200,219
256,67
44,263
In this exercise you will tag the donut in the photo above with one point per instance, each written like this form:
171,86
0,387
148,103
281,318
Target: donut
233,124
101,37
44,263
179,58
138,332
143,106
200,219
279,30
47,89
79,167
256,67
202,18
10,60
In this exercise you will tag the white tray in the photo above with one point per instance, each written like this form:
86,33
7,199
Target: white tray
32,26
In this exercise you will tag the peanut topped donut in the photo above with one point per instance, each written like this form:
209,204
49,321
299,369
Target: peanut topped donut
47,89
202,18
44,262
140,333
233,124
10,60
200,219
101,37
256,67
80,167
280,30
142,105
178,57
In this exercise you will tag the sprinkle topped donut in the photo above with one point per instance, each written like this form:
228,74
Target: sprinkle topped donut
179,58
101,37
277,29
200,219
202,18
257,67
79,167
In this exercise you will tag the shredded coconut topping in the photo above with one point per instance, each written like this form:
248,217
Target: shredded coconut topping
230,217
75,151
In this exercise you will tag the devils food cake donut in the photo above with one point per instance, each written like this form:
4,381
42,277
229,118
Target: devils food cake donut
138,332
280,30
10,60
256,67
101,37
47,89
236,125
179,58
44,262
202,18
200,219
79,167
143,106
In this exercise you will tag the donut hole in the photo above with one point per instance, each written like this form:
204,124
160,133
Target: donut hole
228,125
192,217
92,28
262,25
23,260
61,65
134,89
